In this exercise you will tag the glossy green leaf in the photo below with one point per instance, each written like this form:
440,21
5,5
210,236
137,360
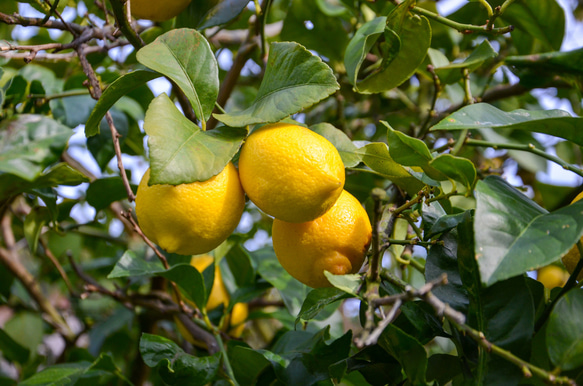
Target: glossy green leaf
12,350
30,143
180,152
444,224
174,365
348,151
317,300
240,265
104,191
190,281
482,115
222,13
377,157
60,374
294,79
130,265
557,62
185,56
407,350
60,174
349,283
415,34
565,332
406,150
514,235
456,168
117,89
452,72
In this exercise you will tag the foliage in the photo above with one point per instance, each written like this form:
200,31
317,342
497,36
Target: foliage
429,113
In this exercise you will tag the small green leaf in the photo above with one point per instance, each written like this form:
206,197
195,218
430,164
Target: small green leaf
104,191
317,300
456,168
240,265
565,331
185,56
33,224
348,150
130,265
452,72
174,365
482,115
180,152
222,13
29,143
294,79
514,235
11,350
406,150
348,283
61,374
190,281
117,89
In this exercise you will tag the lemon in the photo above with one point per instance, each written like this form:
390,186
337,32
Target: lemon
572,257
336,242
235,323
552,276
156,10
194,218
290,172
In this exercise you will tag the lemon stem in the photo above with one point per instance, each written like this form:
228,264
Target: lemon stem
226,362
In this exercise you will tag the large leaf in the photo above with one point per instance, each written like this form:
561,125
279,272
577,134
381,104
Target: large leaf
452,72
30,143
117,89
407,39
294,79
174,365
180,152
565,331
185,56
482,115
190,281
514,235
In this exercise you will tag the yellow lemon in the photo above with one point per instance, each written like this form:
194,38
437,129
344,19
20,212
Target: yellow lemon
552,276
290,172
157,10
336,242
572,257
235,323
192,218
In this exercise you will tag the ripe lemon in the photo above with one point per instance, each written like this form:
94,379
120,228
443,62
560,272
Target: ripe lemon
235,323
336,242
572,257
157,10
290,172
552,276
192,218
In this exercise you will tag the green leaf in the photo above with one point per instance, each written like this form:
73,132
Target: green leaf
406,150
408,351
348,283
247,363
565,331
348,150
185,56
515,235
130,265
30,143
33,223
240,265
12,350
117,89
61,374
452,72
415,33
482,115
557,62
317,300
190,281
174,365
103,192
444,224
377,157
180,152
222,13
456,168
291,290
60,174
294,79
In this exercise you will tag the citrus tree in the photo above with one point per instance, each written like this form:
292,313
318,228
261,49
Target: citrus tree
433,121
